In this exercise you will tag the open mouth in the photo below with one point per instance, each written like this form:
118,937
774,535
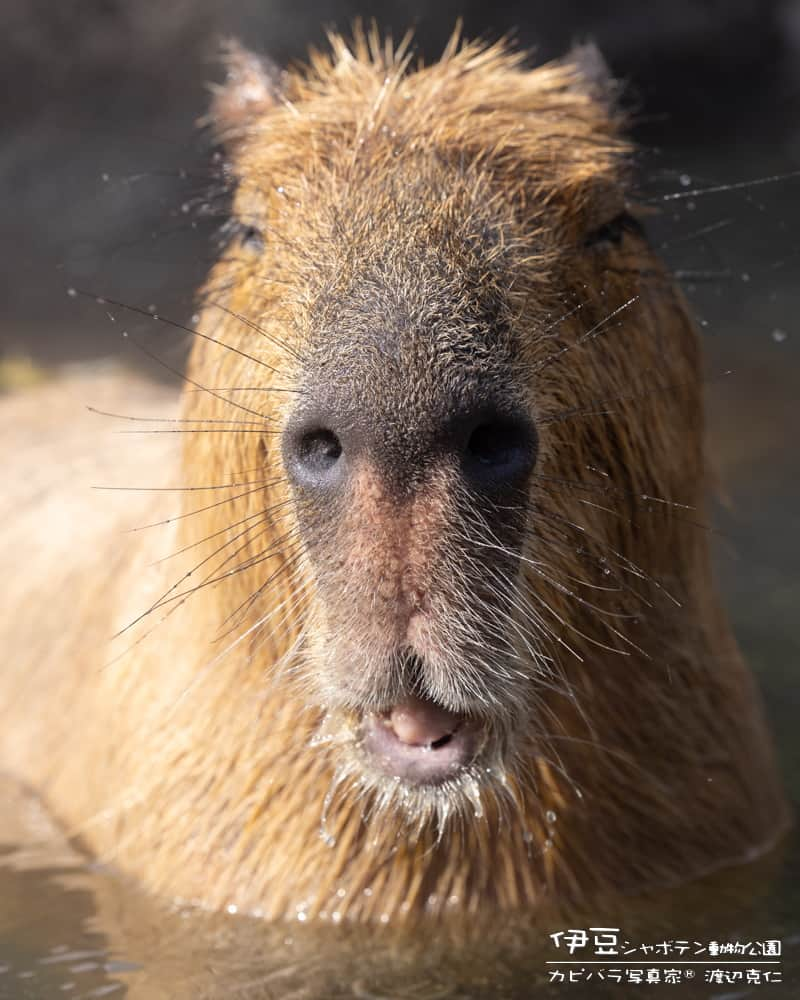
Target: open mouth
419,741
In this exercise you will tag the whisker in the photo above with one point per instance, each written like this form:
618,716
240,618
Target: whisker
139,311
205,430
188,489
239,613
269,553
201,510
719,188
589,335
174,420
251,325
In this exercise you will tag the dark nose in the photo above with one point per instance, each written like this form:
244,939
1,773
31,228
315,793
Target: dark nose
493,447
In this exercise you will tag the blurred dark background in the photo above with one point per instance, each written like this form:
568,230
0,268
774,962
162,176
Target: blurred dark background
102,170
100,150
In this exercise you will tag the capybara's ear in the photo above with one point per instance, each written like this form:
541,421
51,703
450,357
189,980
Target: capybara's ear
594,76
252,86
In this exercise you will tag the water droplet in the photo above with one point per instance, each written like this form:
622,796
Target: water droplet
550,816
745,276
691,206
474,795
527,836
779,335
368,892
302,916
384,918
232,908
341,893
336,916
105,178
327,838
547,845
195,319
686,180
151,308
186,208
452,900
72,292
124,333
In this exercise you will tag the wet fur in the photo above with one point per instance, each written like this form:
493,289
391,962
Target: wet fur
406,231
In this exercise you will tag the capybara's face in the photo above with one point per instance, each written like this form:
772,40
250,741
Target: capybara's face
410,449
457,325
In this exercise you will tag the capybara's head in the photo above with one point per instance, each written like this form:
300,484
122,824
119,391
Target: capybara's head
463,395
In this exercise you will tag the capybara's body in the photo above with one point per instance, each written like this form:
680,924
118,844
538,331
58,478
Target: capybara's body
427,622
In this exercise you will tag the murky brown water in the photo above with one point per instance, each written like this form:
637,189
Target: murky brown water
68,929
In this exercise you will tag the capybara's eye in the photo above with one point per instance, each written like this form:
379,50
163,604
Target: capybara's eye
251,238
612,232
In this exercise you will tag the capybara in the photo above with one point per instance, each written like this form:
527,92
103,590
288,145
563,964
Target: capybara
418,615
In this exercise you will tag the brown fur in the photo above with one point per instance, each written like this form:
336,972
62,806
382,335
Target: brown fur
211,750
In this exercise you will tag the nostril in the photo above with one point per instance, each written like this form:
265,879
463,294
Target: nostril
497,443
319,449
313,457
500,451
491,444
